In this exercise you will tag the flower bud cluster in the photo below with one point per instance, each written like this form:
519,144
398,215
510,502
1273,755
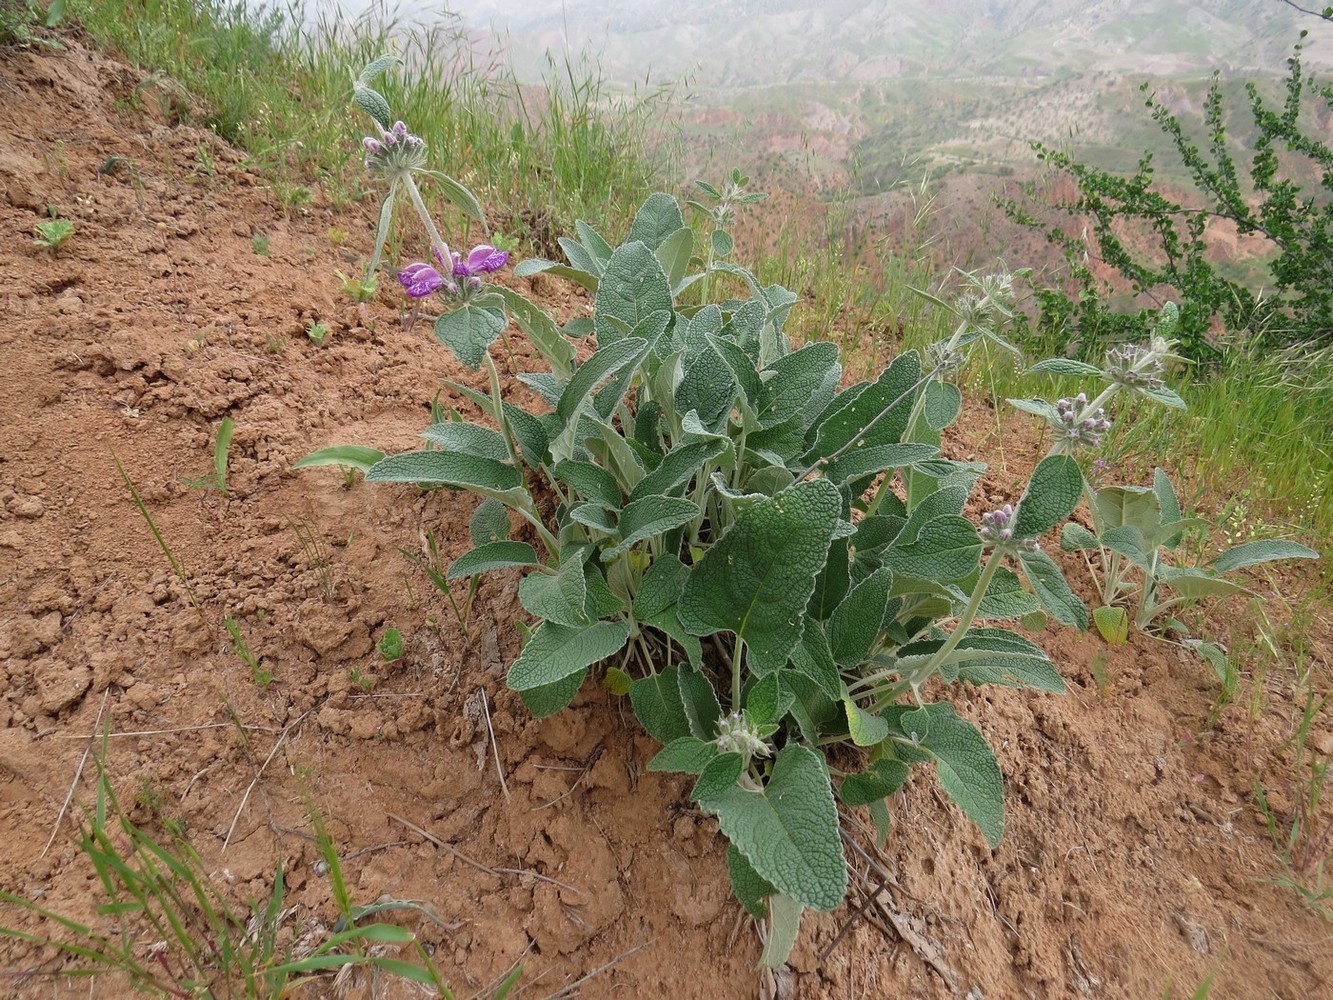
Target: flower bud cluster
395,151
735,734
1078,423
997,528
945,359
1138,366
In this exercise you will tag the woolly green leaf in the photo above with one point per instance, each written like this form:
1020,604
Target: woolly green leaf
1112,623
751,888
869,461
540,330
1064,366
1196,584
372,102
678,467
964,764
865,728
688,754
882,779
489,523
789,831
556,651
1076,538
1052,494
699,700
492,556
947,548
783,930
721,242
858,619
461,198
591,240
467,439
893,391
375,68
547,699
350,455
1129,506
661,586
632,287
468,330
800,385
1005,598
718,774
469,472
535,265
648,517
813,659
657,219
1052,589
606,362
591,482
559,597
1254,553
658,707
674,255
757,580
943,403
1163,395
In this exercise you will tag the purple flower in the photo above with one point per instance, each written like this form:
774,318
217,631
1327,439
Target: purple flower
420,280
483,259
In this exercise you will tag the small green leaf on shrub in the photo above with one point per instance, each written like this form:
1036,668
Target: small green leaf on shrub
468,330
547,699
617,681
1112,623
1254,553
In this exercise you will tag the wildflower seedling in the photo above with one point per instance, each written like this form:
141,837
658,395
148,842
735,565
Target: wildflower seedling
391,645
221,454
54,234
317,332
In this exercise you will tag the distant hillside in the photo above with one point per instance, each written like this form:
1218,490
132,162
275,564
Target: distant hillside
760,43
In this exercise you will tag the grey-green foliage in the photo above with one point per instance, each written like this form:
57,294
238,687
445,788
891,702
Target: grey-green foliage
772,563
1137,531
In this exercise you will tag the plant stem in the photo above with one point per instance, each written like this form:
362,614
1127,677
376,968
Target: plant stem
964,623
436,240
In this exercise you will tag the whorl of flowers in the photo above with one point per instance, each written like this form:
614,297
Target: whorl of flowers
736,735
945,359
997,528
394,151
456,274
1078,423
1138,366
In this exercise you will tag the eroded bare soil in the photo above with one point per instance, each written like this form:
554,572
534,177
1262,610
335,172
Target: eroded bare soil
1134,856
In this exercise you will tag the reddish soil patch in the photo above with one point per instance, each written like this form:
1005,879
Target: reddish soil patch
1134,855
